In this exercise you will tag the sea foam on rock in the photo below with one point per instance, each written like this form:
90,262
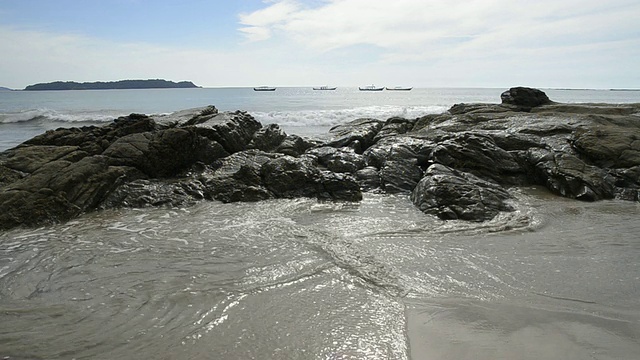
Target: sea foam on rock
454,165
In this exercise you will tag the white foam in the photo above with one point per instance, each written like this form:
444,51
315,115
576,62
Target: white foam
341,116
56,116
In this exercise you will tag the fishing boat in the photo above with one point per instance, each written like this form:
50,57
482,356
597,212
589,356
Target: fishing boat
371,88
399,88
264,88
325,88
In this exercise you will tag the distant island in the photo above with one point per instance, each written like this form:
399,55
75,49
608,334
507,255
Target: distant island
122,84
4,89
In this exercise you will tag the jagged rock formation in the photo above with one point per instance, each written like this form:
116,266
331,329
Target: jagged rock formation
455,165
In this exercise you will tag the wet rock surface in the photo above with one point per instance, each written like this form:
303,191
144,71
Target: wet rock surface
455,165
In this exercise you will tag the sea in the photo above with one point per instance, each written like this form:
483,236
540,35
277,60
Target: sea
309,279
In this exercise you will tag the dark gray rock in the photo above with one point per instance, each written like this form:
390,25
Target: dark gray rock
524,98
568,176
357,135
369,178
290,177
238,177
233,130
294,145
340,160
451,194
164,153
479,155
93,140
399,148
609,146
59,191
339,186
400,161
268,138
394,126
146,193
400,176
462,108
627,183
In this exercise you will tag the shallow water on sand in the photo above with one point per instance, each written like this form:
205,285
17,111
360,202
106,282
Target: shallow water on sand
302,279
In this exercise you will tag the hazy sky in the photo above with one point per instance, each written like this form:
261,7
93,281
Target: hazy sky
422,43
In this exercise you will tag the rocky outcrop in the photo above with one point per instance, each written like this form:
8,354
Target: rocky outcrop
451,194
455,165
357,135
184,158
524,98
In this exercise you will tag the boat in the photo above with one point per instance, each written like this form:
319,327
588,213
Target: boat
399,88
325,88
264,88
371,88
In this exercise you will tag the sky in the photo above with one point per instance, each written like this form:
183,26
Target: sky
420,43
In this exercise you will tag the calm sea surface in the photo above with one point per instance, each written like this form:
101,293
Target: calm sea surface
302,279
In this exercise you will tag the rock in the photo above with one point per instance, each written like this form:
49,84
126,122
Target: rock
462,108
290,177
339,186
294,145
182,117
588,109
164,153
145,193
608,146
234,131
451,194
478,154
400,176
238,177
28,159
59,191
95,139
341,160
268,138
400,160
394,126
567,175
357,135
450,163
524,98
368,178
399,148
627,183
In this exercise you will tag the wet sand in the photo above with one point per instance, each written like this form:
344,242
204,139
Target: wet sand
488,331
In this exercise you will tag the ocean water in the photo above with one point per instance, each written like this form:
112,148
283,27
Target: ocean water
303,279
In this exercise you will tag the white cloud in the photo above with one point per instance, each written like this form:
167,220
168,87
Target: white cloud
31,57
571,43
258,24
416,28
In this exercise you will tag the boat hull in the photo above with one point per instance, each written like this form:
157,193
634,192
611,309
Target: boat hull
264,88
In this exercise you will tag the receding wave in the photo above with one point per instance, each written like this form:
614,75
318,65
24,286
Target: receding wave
49,115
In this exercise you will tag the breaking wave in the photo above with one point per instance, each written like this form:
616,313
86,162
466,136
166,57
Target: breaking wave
328,118
286,118
49,115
